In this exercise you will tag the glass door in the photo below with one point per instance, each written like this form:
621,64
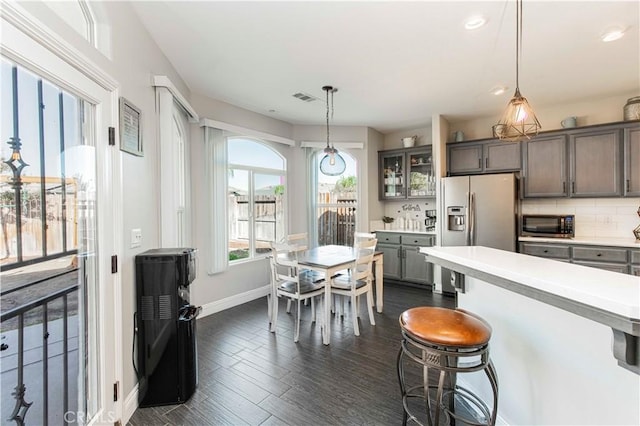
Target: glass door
48,265
422,179
392,167
60,217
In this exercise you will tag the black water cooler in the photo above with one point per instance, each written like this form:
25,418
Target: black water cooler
165,326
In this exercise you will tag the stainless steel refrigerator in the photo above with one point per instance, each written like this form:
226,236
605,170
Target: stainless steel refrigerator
479,211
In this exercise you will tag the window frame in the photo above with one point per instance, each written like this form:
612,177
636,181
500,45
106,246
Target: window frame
252,172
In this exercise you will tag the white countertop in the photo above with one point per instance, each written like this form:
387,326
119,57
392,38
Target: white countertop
405,231
609,291
596,241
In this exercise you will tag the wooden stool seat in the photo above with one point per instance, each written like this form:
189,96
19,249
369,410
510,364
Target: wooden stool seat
445,326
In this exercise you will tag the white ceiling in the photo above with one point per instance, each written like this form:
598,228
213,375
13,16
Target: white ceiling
395,63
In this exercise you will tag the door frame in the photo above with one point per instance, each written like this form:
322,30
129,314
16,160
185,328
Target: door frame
28,42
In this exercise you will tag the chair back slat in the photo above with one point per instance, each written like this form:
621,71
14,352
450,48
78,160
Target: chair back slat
300,241
364,259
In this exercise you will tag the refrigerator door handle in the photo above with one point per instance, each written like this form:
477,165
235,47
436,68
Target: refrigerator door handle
472,219
467,228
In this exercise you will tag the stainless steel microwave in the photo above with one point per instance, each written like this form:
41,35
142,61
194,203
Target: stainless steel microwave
550,226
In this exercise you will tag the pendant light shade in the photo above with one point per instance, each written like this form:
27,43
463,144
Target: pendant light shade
332,164
518,120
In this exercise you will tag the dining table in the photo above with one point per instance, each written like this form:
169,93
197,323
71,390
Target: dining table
331,259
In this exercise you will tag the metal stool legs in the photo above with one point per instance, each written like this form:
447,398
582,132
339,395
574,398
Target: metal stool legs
446,362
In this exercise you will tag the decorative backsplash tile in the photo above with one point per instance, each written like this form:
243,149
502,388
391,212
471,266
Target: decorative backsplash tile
595,217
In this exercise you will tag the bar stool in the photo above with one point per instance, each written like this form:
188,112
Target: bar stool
449,341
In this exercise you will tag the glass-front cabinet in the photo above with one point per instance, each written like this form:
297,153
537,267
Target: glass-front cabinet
406,173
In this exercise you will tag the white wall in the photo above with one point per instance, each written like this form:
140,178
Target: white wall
227,113
394,140
599,110
595,217
132,65
375,208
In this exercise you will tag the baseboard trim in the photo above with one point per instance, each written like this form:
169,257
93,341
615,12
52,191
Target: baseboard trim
235,300
130,405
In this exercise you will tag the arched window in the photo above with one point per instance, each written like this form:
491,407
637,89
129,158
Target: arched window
256,191
78,15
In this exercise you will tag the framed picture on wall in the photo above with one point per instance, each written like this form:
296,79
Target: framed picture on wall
130,128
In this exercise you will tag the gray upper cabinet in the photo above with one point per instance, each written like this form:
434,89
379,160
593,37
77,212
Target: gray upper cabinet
632,162
465,158
502,156
406,173
485,157
545,167
595,163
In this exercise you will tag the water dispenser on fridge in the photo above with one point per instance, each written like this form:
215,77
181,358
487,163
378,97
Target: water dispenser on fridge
456,218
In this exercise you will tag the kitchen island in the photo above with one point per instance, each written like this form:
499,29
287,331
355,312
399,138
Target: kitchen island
565,337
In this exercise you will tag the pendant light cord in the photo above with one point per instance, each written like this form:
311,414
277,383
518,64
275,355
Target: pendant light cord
332,90
518,41
327,89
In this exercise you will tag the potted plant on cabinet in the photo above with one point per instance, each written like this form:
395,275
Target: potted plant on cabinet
387,220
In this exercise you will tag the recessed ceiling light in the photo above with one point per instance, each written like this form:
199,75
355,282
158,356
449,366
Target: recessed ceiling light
612,34
498,90
475,22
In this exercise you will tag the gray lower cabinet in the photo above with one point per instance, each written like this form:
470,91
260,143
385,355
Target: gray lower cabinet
552,251
616,259
402,260
392,267
635,262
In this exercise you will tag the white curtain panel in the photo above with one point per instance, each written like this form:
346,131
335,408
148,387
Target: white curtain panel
216,175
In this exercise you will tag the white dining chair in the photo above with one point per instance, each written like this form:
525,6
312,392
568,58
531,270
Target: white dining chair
301,243
362,236
358,281
288,280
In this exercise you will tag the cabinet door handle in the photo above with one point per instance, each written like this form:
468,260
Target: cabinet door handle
599,254
399,253
486,163
564,187
546,251
573,187
479,163
627,190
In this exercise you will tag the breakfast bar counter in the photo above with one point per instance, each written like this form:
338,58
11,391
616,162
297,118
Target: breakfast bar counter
565,337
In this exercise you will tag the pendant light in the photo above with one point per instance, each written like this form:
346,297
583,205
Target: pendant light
332,163
518,121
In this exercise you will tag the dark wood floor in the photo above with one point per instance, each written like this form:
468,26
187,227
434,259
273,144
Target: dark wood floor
248,375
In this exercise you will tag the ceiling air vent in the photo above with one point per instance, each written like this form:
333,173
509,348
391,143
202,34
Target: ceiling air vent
305,97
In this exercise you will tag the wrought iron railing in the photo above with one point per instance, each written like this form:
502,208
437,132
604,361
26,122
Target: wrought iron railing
21,406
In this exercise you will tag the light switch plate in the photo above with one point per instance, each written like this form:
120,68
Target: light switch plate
136,238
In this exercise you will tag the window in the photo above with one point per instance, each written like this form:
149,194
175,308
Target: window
336,202
40,180
256,191
78,15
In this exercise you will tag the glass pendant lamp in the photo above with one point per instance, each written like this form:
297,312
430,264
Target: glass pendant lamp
332,164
